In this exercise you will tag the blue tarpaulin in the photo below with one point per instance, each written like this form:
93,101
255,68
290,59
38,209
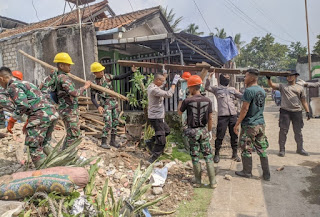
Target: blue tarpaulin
225,48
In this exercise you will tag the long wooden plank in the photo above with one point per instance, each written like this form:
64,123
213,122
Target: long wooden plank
94,86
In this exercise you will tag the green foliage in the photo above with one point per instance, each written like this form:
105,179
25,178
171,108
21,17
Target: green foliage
316,48
193,29
170,16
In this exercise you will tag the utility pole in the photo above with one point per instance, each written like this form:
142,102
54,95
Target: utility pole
309,54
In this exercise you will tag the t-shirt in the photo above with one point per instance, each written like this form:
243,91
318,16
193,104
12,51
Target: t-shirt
256,96
291,96
198,109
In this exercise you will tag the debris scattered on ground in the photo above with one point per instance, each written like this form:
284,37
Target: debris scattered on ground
227,177
280,168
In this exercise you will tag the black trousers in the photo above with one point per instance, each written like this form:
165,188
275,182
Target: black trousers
284,123
225,122
161,131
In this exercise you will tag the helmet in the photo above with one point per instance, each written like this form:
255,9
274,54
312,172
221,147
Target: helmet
186,75
194,80
63,58
97,67
17,74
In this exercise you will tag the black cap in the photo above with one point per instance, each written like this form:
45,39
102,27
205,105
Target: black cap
293,72
253,71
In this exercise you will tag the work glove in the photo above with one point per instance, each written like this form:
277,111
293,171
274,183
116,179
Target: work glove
181,94
24,129
308,115
11,123
176,79
210,136
268,77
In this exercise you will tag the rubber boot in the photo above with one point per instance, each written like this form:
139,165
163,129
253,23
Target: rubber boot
247,168
216,157
211,175
235,155
265,168
150,143
104,143
38,163
301,151
281,150
47,149
197,174
113,141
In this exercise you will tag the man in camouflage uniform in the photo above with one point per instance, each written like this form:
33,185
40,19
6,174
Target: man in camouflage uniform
252,126
67,96
5,103
46,87
199,121
108,105
41,114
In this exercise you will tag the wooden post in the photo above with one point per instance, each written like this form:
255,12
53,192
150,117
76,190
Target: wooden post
309,54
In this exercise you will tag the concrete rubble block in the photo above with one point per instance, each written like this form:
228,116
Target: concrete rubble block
157,190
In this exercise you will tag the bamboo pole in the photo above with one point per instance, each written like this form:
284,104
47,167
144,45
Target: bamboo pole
93,86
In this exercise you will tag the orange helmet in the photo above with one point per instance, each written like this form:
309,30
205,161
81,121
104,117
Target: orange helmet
186,75
194,80
17,74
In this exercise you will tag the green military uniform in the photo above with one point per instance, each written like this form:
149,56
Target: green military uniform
5,103
42,116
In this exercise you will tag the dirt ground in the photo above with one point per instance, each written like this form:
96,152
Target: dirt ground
292,191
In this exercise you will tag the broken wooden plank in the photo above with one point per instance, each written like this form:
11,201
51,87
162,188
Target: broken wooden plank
88,128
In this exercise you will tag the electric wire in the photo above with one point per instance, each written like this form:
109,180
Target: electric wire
202,17
131,5
35,9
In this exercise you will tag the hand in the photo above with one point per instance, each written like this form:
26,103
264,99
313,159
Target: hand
176,79
11,123
210,136
268,77
308,115
134,69
87,85
210,75
236,129
24,129
101,109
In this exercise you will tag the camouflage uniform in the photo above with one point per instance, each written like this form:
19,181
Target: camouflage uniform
68,105
5,103
47,85
109,104
253,137
199,142
42,115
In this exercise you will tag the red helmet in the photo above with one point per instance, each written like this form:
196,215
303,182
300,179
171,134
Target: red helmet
17,74
194,80
186,75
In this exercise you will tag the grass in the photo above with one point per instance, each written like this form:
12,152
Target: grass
198,206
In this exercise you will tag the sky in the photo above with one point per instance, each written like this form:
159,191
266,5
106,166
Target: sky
285,19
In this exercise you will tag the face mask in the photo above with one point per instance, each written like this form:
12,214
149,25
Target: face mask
224,81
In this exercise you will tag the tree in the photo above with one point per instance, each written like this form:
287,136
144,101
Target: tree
220,33
296,50
238,42
170,16
193,29
316,48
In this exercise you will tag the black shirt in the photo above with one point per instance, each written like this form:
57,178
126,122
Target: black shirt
198,109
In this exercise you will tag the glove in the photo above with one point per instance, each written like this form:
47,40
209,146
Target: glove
11,123
181,94
268,77
176,79
308,115
210,135
24,129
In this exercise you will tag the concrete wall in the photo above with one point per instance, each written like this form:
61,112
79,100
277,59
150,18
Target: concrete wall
303,70
44,45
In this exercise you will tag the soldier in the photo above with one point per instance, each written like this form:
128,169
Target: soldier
199,121
47,85
292,100
5,103
252,126
67,96
227,114
41,114
108,105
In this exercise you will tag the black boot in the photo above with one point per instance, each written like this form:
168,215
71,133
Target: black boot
235,155
113,141
247,168
104,143
216,157
281,150
153,158
150,143
302,152
265,168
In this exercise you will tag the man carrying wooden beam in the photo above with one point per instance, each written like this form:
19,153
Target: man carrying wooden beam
292,100
227,114
42,115
108,104
67,96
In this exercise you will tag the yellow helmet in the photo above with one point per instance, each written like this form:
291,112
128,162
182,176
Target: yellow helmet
97,67
63,58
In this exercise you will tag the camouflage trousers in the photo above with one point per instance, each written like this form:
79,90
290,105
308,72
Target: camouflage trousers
2,119
72,126
110,118
253,137
37,137
199,142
